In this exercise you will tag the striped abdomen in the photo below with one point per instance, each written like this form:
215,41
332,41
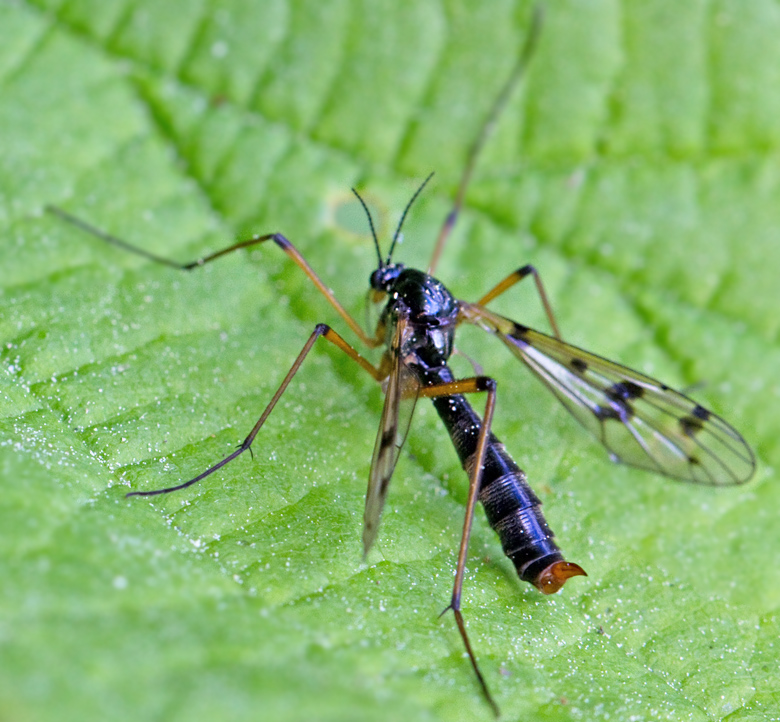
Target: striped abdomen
512,508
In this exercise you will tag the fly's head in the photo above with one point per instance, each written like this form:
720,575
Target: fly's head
383,279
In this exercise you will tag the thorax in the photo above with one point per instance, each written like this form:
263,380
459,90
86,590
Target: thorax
429,312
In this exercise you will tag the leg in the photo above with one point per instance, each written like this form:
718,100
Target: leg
516,277
465,386
320,331
485,132
277,238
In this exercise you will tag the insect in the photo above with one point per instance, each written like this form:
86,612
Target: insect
639,420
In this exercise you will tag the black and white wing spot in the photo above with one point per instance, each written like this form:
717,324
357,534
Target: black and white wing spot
624,391
578,365
690,425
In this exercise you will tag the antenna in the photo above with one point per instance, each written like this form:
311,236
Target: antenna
371,224
403,217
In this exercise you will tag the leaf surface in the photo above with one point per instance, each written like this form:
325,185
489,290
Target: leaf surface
637,168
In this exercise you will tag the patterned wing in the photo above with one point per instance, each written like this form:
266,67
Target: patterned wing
400,400
640,421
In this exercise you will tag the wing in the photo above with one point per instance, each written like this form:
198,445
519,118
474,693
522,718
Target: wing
400,400
640,421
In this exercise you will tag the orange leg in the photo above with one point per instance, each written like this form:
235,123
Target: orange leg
321,330
277,238
516,277
477,384
485,132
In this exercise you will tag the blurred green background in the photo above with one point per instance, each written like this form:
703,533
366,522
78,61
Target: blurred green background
637,168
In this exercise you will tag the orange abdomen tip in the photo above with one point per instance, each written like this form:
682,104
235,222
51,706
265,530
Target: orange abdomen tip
552,578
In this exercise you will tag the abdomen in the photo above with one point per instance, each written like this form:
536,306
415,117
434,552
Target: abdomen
512,508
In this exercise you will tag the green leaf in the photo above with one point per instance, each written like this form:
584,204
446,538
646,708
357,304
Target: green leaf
637,168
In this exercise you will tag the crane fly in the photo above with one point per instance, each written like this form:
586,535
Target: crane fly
641,422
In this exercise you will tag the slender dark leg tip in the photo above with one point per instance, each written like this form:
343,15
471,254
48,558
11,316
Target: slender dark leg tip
446,609
141,493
